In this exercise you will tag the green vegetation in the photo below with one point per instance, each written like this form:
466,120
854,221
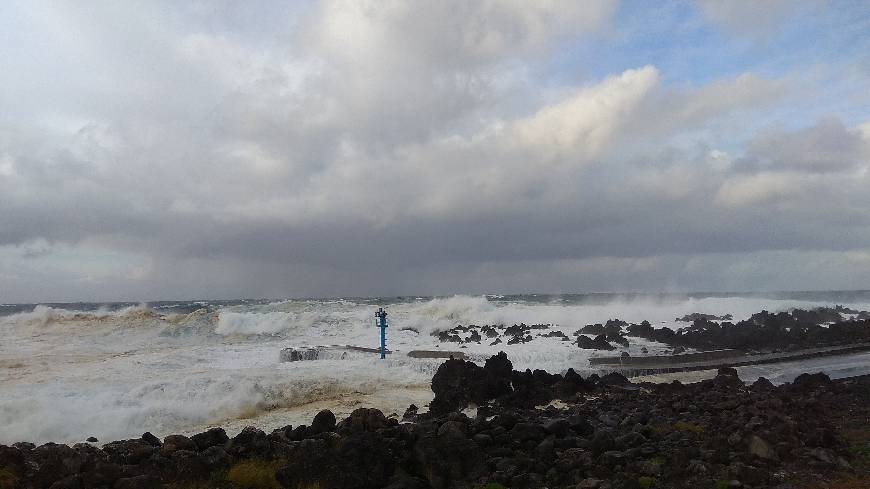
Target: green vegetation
256,474
646,482
721,484
7,478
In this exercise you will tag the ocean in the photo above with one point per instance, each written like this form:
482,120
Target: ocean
71,371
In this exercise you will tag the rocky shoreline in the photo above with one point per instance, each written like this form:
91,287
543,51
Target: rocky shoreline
492,427
763,331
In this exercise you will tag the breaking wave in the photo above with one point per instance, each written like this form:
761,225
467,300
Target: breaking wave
117,371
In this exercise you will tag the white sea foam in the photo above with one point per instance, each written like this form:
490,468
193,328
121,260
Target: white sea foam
66,374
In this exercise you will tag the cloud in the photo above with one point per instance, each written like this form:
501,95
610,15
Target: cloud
384,147
746,190
580,125
828,146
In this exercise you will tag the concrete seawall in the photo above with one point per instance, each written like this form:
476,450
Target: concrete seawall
664,364
703,356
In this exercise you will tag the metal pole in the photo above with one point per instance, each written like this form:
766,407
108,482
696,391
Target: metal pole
381,314
383,338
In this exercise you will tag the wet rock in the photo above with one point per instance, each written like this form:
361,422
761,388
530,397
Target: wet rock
323,422
176,442
249,442
762,385
210,438
150,439
474,337
518,339
556,334
129,452
599,343
364,419
812,381
615,378
457,383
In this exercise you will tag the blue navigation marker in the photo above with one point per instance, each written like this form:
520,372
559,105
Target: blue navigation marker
381,314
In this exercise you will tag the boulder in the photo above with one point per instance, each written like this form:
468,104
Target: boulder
250,442
760,448
210,438
176,442
364,419
323,422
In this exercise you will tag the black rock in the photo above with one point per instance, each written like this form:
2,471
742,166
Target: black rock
812,381
557,426
323,422
599,343
248,443
364,419
210,438
150,439
102,474
527,431
177,442
602,441
580,425
139,482
615,378
457,383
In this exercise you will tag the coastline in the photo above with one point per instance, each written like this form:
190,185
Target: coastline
524,429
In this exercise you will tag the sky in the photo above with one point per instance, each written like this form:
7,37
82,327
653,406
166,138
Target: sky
162,150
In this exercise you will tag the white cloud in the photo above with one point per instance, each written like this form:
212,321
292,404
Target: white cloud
759,188
585,121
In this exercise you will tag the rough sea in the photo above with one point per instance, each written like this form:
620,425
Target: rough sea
71,371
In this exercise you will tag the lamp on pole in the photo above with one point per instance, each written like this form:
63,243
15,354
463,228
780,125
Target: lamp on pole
381,315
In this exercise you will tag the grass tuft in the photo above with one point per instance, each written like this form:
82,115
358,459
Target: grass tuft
645,482
255,474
